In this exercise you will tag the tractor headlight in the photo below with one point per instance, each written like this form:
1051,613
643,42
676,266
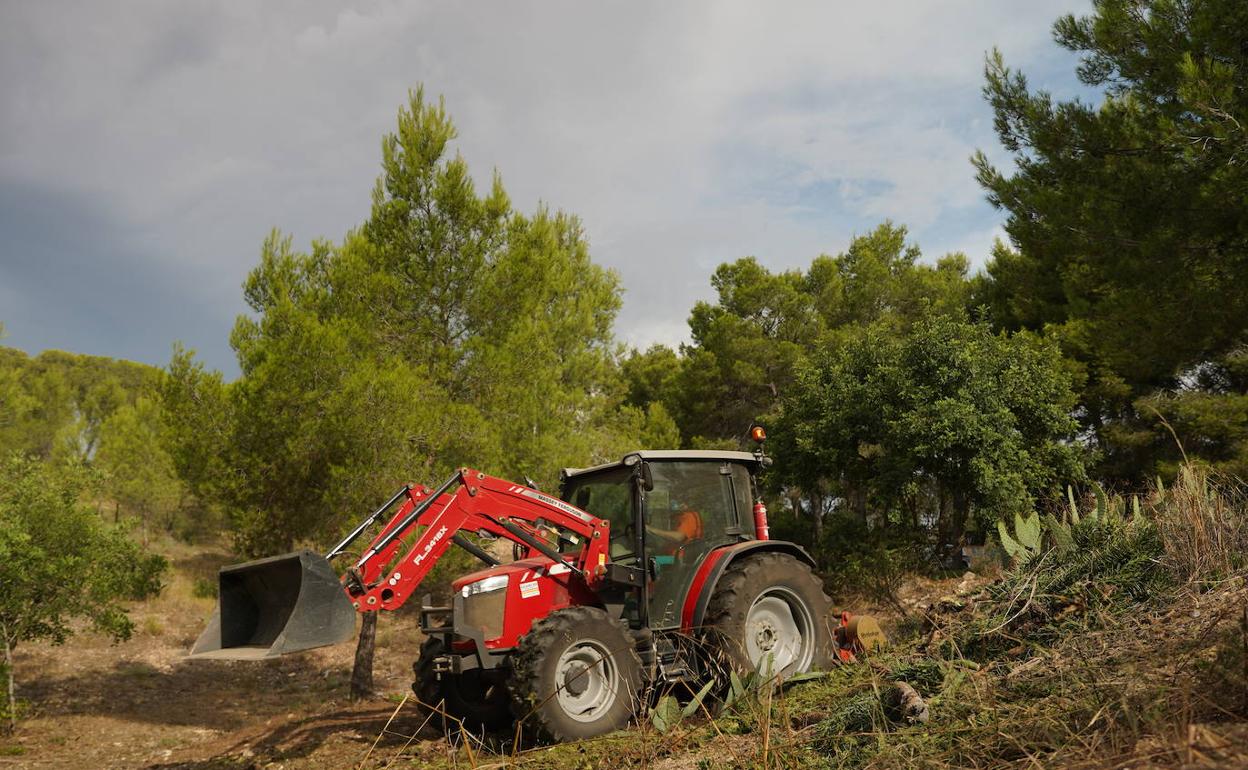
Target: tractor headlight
484,604
484,586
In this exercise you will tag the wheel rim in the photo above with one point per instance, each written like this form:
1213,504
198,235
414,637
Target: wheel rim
778,633
588,681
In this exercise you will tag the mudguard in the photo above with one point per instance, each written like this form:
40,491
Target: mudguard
704,580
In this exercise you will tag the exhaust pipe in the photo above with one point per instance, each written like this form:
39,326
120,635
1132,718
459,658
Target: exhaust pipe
275,606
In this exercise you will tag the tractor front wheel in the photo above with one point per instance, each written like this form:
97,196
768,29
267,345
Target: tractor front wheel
575,675
470,698
769,614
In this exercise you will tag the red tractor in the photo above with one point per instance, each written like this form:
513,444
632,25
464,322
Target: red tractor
650,571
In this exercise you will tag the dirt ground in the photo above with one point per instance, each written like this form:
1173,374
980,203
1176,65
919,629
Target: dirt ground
142,704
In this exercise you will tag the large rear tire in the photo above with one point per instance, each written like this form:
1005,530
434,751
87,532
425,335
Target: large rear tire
479,704
769,614
575,675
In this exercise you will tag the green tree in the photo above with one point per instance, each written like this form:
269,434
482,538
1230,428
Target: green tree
544,359
650,375
447,330
984,419
16,403
747,345
744,348
431,238
54,404
198,422
60,563
92,404
138,471
880,278
1127,219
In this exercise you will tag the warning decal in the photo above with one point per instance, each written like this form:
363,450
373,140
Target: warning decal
529,590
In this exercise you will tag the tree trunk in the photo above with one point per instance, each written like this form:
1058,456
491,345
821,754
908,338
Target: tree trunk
816,513
8,674
860,503
961,509
794,496
362,674
942,520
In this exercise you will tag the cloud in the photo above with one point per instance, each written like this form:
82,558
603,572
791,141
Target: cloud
684,134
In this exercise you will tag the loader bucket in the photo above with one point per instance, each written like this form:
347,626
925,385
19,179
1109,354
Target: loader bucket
274,606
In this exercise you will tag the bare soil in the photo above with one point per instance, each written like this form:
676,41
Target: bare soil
141,704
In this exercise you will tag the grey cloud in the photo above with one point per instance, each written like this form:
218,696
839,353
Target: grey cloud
191,128
71,280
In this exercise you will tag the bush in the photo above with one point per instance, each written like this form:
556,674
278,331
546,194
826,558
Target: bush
204,588
856,560
1096,563
60,562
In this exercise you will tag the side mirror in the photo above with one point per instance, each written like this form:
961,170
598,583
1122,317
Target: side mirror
647,479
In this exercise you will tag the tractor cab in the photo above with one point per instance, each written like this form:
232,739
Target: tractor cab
672,507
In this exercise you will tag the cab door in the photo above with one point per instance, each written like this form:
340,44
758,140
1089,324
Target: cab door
690,511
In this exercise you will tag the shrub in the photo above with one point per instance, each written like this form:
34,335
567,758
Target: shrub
872,563
60,562
204,588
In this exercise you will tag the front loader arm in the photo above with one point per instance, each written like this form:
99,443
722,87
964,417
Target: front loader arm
473,502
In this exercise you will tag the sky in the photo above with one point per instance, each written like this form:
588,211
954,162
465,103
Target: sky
147,148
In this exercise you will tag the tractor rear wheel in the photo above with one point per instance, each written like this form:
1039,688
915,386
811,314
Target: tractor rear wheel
575,675
479,704
769,614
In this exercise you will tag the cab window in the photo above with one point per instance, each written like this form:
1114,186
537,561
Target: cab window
607,495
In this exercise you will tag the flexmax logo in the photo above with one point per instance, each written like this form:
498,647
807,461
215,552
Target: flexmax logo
437,538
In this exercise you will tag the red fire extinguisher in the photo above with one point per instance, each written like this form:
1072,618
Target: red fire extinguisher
760,521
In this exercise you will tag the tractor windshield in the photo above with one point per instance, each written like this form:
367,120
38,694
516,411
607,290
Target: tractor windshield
607,495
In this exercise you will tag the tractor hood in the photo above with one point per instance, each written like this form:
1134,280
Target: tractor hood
503,602
522,570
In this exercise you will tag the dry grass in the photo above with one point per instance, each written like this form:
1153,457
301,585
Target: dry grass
1202,523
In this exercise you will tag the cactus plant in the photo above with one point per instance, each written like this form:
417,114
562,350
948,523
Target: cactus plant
1025,542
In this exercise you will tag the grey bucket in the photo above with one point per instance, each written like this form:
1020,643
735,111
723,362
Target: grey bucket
275,606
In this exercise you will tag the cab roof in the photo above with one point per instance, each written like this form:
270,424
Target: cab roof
686,455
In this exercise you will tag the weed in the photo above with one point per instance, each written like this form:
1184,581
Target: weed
152,626
1202,523
204,588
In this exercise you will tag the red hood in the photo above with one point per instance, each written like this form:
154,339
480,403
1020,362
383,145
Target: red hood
536,565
